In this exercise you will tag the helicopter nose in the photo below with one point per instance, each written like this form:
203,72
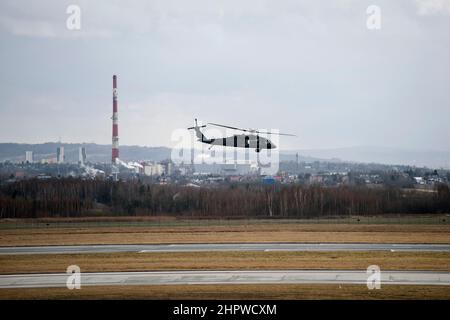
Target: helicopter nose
272,145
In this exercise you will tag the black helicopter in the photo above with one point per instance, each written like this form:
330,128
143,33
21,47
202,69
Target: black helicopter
250,140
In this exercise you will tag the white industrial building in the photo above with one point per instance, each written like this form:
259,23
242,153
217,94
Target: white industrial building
154,169
60,155
82,156
29,156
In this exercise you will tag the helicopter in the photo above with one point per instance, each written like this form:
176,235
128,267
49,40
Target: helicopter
249,140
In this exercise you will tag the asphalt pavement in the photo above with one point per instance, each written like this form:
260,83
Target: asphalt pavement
225,247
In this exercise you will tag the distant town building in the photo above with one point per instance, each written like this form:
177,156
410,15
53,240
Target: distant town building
225,169
29,156
60,154
48,160
268,180
82,156
154,169
169,170
20,174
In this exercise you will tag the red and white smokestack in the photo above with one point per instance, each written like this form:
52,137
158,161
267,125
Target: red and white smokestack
115,124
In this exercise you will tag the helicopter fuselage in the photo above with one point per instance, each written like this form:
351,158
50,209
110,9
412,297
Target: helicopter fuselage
248,141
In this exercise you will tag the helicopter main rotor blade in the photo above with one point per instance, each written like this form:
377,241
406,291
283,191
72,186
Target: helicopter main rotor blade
278,134
251,130
229,127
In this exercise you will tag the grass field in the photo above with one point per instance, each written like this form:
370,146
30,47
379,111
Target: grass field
103,262
147,231
234,292
381,233
172,221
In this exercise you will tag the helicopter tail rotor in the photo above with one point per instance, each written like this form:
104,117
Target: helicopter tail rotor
201,137
196,126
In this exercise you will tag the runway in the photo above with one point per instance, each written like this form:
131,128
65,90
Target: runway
225,247
226,277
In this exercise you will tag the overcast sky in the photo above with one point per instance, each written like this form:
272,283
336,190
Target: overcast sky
312,68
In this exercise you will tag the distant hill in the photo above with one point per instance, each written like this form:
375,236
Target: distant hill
102,153
95,152
382,155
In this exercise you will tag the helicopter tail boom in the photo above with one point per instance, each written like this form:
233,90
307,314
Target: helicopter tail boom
201,137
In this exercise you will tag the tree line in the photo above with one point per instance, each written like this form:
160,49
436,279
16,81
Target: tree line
72,197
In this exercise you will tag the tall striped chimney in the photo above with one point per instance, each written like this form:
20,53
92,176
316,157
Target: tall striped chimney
115,124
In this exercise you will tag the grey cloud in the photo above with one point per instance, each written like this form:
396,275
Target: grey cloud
307,67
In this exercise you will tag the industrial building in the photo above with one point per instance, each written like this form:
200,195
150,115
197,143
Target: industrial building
29,156
154,169
115,124
60,155
82,156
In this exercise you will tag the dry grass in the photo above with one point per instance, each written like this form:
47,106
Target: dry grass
103,262
230,234
235,292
